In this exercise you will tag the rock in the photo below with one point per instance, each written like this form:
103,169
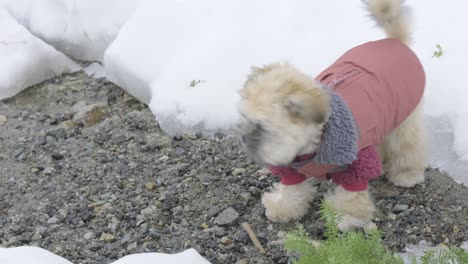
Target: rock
88,235
238,171
150,186
90,114
49,170
245,196
67,124
398,208
132,246
106,237
243,261
226,241
3,120
57,133
227,217
52,220
392,217
179,151
57,156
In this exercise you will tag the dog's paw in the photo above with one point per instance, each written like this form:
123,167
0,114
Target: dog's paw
406,179
286,203
349,222
357,208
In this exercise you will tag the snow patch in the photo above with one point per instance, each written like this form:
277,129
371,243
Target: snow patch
25,59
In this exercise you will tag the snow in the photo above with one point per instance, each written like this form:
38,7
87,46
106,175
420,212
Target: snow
81,29
25,59
35,255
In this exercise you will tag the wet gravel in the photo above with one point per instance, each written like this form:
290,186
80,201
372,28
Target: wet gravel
86,173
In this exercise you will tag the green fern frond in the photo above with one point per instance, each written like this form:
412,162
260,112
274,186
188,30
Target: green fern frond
356,247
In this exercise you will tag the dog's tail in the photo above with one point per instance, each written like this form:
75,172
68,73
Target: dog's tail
392,16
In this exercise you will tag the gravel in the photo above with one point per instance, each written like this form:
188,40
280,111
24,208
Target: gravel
87,174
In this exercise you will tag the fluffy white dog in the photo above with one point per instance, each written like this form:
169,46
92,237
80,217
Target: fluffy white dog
360,113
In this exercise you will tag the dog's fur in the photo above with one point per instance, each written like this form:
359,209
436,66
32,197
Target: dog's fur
284,111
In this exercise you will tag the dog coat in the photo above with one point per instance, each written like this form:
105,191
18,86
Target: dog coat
373,88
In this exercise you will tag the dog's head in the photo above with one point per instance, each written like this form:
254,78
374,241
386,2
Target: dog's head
282,114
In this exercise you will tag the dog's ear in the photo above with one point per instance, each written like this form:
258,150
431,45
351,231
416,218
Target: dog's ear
306,108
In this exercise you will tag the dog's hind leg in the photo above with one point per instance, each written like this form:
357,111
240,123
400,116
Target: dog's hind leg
404,152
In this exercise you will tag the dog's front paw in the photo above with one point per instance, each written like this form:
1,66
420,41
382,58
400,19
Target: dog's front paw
349,222
286,203
357,208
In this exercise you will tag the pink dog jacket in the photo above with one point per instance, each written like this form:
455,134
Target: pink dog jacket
381,83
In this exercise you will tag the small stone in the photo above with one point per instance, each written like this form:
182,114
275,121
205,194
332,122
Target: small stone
226,241
57,133
34,170
245,196
370,226
49,170
413,238
132,246
52,220
88,235
392,217
227,217
57,156
107,237
238,171
150,186
243,261
179,151
398,208
90,114
68,124
3,120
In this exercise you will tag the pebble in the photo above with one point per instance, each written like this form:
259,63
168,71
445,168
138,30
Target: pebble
245,196
392,217
243,261
398,208
150,186
3,120
57,156
90,114
106,237
52,220
179,151
88,235
49,170
238,171
132,246
226,241
227,217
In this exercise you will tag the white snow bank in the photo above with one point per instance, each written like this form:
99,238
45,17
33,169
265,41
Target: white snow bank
81,29
29,255
26,60
35,255
188,59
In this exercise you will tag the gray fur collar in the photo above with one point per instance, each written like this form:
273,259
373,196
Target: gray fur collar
339,142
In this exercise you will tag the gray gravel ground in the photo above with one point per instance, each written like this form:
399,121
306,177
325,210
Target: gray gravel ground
86,173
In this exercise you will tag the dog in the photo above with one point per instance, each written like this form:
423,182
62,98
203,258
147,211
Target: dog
359,118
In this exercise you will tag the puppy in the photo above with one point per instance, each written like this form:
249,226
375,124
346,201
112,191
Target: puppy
359,117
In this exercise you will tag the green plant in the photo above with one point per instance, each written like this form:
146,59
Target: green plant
194,83
355,247
439,52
